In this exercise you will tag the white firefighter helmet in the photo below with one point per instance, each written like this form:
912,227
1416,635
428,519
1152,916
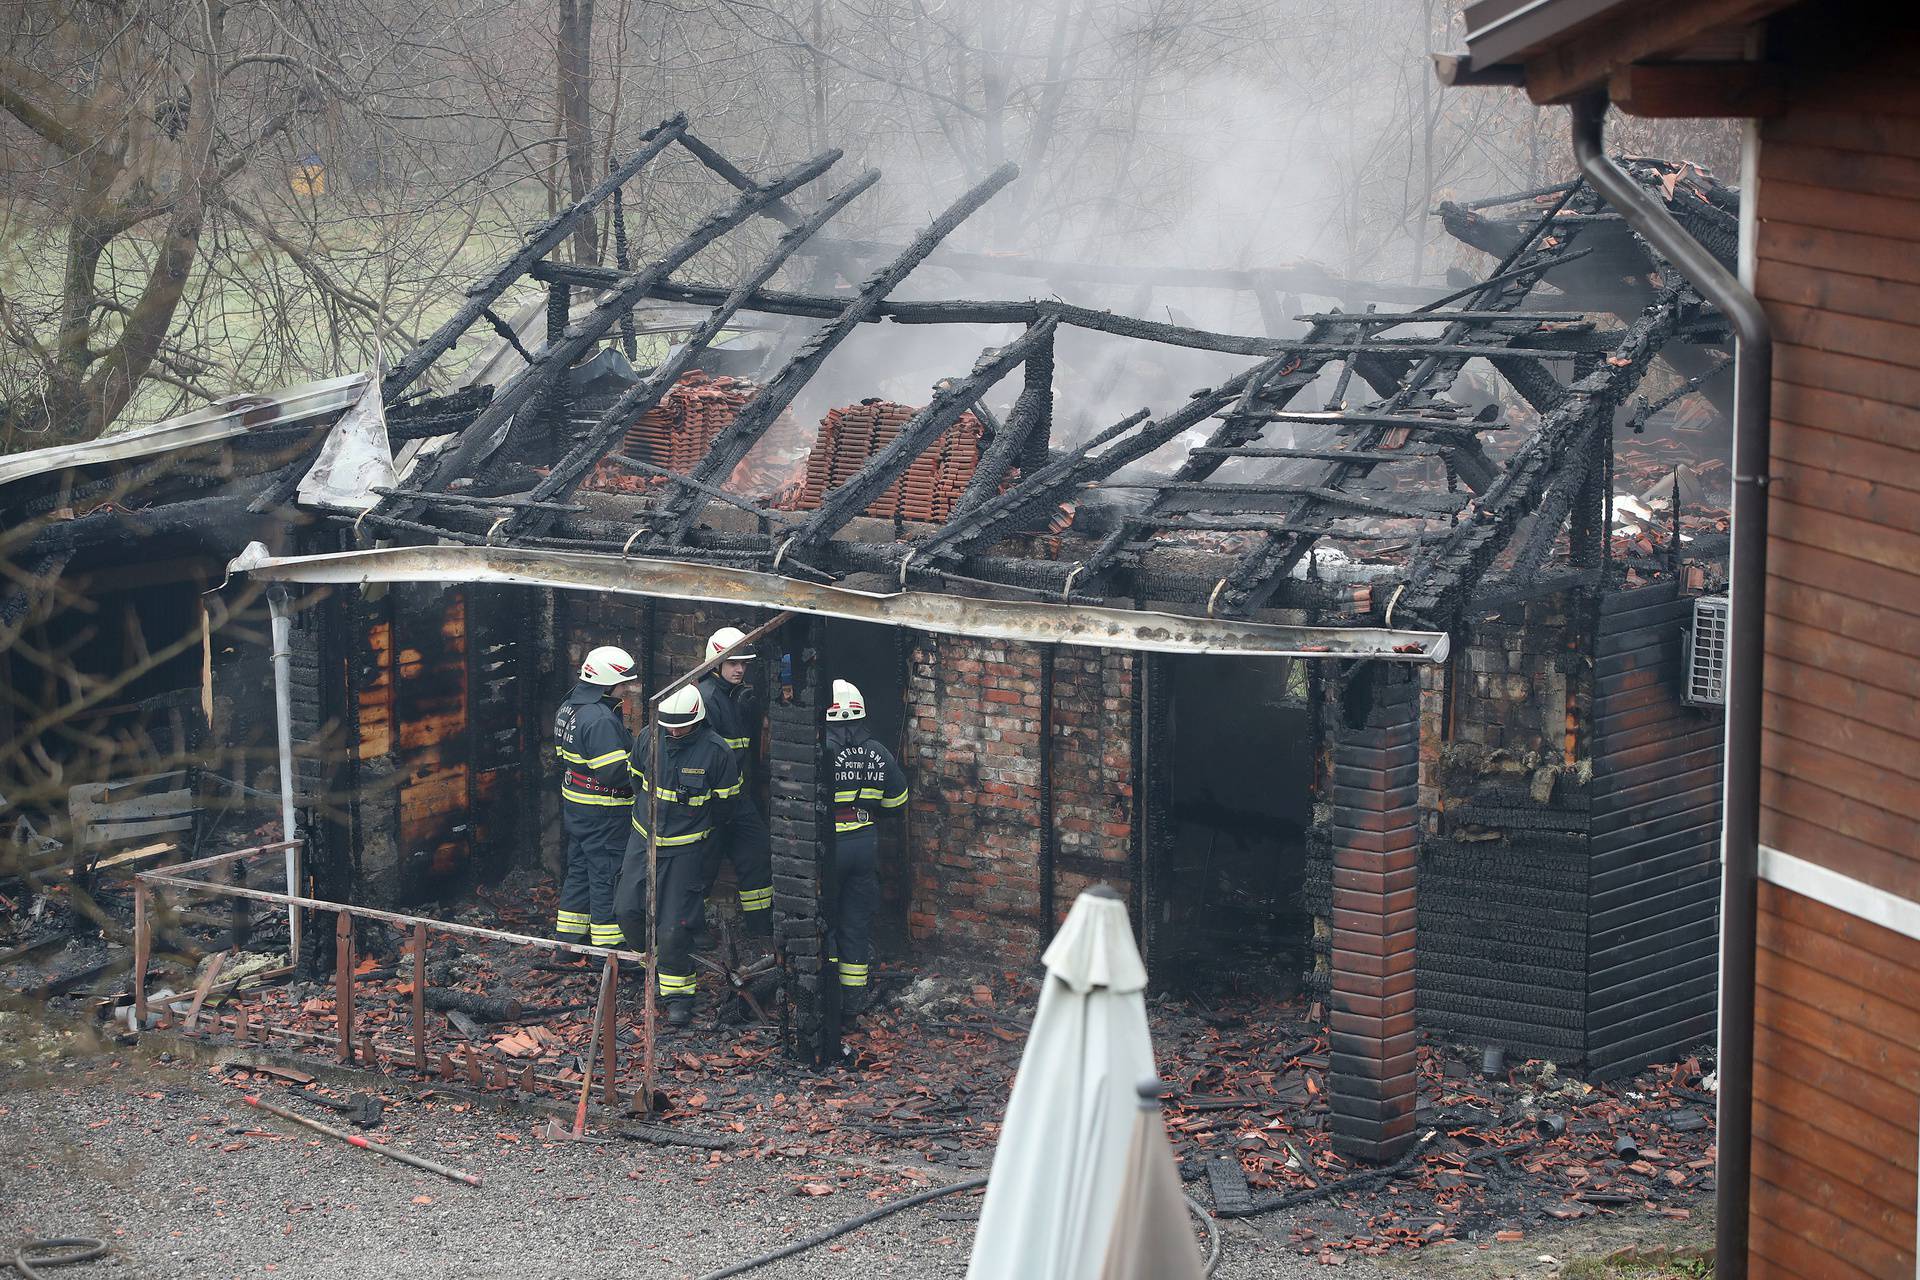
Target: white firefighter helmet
847,703
682,707
608,665
724,639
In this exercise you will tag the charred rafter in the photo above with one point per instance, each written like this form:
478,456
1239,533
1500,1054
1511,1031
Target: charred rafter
1443,579
681,509
555,358
638,399
1254,580
941,412
544,239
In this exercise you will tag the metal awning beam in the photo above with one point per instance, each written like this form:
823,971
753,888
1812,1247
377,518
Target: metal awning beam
1025,621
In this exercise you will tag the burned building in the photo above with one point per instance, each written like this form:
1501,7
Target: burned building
1358,636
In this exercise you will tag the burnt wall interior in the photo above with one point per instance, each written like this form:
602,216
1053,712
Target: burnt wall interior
1502,955
1226,888
1569,879
416,734
124,765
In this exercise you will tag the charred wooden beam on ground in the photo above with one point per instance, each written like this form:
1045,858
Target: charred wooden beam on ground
681,509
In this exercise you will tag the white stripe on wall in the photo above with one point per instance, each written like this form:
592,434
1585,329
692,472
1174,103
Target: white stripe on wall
1841,892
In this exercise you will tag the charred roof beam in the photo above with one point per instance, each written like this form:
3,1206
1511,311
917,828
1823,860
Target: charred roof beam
554,359
540,242
1442,582
1259,573
890,463
681,510
640,398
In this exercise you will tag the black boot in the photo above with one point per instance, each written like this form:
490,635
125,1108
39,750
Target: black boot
759,924
679,1011
855,1001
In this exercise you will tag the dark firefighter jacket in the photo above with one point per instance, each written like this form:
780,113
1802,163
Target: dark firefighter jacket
593,742
865,776
700,780
733,713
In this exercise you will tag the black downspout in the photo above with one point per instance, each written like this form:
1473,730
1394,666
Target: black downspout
1740,828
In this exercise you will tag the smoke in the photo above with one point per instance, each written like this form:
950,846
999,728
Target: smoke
1203,134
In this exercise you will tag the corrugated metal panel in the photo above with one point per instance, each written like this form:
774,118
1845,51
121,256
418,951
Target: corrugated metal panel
235,415
1653,876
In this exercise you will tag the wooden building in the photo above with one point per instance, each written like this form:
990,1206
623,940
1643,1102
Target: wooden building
1831,248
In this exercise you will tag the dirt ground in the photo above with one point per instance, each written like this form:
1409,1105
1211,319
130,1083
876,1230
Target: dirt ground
165,1161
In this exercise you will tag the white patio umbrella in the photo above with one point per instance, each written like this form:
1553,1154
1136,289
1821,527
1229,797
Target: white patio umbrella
1061,1169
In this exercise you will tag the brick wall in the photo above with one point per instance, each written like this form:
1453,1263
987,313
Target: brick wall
973,754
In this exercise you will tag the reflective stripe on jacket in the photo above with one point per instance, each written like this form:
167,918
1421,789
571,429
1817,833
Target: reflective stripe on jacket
590,738
865,775
699,778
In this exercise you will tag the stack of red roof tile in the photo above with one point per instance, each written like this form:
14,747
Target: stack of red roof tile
850,436
676,433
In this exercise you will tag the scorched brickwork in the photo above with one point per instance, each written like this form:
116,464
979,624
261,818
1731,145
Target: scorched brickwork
973,748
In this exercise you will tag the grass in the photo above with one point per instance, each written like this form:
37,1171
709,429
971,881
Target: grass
257,320
1635,1263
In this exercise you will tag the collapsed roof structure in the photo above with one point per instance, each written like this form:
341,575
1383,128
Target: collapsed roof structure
1349,435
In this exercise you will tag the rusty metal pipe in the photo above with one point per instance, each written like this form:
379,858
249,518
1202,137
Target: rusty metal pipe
366,1144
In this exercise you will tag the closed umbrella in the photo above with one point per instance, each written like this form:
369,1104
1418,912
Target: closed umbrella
1061,1164
1151,1239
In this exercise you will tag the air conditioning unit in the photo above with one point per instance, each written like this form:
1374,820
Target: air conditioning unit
1706,654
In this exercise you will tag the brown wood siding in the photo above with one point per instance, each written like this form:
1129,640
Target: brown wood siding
1837,1085
1837,1051
1838,267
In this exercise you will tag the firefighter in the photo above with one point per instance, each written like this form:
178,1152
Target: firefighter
596,798
733,711
867,781
699,782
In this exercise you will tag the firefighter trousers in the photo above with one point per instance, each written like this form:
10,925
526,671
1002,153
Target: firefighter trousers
857,861
596,842
748,845
677,871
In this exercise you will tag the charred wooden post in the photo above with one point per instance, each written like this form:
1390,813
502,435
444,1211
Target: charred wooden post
680,511
142,948
1023,439
801,820
343,982
1376,848
417,1007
